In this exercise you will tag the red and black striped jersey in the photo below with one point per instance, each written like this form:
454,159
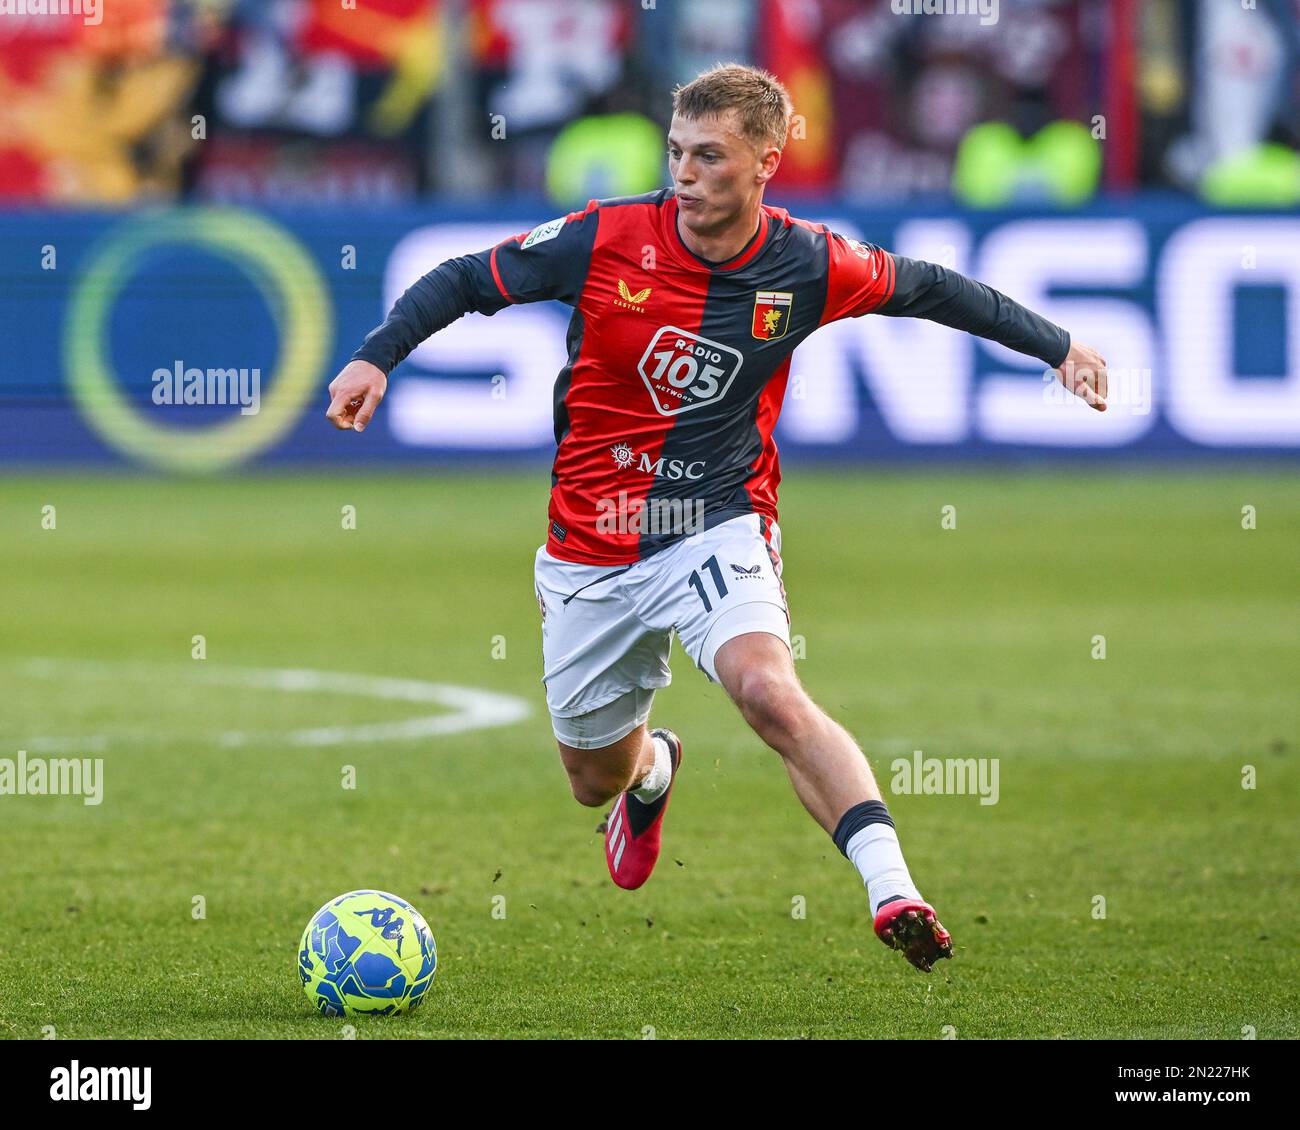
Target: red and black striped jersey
677,367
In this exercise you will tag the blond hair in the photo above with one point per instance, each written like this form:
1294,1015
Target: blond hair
762,102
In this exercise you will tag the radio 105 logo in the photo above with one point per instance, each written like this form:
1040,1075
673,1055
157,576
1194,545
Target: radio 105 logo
683,370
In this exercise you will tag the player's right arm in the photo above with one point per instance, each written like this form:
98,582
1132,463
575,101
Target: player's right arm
548,262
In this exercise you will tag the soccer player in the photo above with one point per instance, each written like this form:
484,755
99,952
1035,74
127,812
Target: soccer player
687,305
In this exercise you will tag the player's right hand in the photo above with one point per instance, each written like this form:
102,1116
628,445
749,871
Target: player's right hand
355,394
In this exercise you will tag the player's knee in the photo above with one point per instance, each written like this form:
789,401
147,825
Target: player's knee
773,705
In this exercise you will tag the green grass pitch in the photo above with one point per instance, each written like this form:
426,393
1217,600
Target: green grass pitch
1120,777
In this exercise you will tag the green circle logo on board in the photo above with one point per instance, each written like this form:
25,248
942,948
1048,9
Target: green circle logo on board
288,281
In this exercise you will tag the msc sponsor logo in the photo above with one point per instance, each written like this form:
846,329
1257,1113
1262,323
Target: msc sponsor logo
683,370
660,468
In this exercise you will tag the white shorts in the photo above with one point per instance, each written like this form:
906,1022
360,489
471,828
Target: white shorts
607,629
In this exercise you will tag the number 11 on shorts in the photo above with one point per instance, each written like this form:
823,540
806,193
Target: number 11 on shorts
698,584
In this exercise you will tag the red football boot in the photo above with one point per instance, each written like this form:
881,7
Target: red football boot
633,828
911,926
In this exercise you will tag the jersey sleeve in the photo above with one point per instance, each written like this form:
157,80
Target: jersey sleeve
929,290
860,278
548,262
865,279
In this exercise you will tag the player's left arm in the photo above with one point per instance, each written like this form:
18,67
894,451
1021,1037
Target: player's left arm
929,290
866,279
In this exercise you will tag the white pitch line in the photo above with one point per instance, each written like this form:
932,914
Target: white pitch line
470,708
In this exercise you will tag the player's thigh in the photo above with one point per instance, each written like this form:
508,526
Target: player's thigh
756,669
606,734
600,662
723,583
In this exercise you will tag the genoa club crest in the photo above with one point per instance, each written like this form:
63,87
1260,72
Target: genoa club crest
771,313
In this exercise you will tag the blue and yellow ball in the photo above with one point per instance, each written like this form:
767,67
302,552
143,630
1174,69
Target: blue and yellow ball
366,953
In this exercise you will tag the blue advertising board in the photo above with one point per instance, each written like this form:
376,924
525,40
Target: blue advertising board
106,316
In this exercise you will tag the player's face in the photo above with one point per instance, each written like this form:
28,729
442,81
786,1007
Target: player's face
718,173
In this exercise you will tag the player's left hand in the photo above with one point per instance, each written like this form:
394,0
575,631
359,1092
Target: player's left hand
1083,372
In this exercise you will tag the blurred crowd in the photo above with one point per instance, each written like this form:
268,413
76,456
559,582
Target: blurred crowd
280,101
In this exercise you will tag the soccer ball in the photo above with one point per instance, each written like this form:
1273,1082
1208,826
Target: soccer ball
366,953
